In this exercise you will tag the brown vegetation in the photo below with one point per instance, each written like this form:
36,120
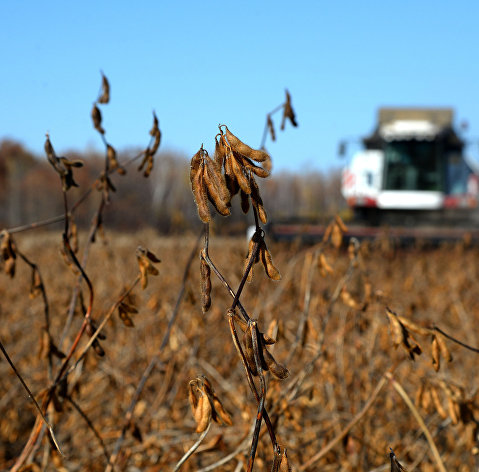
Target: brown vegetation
338,356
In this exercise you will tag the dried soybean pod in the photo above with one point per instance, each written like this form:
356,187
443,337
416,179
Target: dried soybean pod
217,191
244,201
443,347
155,129
436,361
201,198
437,403
267,261
221,412
242,148
105,90
258,201
284,464
220,151
415,328
248,164
214,197
205,285
205,414
248,257
198,410
452,407
96,118
278,370
270,124
249,352
241,178
196,162
192,398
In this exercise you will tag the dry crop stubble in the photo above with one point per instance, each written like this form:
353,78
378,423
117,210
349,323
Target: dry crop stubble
318,364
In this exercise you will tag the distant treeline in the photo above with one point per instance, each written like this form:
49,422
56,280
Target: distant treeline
30,191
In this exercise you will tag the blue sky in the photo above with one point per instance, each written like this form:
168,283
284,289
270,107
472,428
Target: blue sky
198,64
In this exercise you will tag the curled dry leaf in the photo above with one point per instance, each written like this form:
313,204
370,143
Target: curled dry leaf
401,335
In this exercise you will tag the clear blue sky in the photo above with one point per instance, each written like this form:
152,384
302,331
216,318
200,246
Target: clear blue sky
199,63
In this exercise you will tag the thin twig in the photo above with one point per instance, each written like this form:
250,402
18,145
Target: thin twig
397,386
192,449
333,443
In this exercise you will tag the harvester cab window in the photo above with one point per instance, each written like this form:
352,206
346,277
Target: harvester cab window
412,165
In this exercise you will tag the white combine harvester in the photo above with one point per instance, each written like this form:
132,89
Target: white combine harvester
413,171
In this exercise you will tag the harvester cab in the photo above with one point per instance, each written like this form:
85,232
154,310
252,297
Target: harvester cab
412,170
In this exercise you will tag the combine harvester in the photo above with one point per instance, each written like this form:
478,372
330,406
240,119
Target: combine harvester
412,181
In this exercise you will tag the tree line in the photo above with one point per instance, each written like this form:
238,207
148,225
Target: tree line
29,191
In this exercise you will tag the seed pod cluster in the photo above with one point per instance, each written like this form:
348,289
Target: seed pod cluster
401,335
7,254
126,308
146,259
262,255
208,184
432,395
267,361
240,170
205,273
206,405
62,165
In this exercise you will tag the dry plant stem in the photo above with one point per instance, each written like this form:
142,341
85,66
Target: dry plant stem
90,425
249,377
265,132
91,236
49,396
259,415
192,449
32,398
219,275
310,258
46,311
397,386
348,427
100,327
448,336
154,361
241,447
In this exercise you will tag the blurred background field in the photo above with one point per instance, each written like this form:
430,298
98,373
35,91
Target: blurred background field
429,286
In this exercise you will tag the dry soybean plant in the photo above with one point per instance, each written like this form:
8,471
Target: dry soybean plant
62,359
